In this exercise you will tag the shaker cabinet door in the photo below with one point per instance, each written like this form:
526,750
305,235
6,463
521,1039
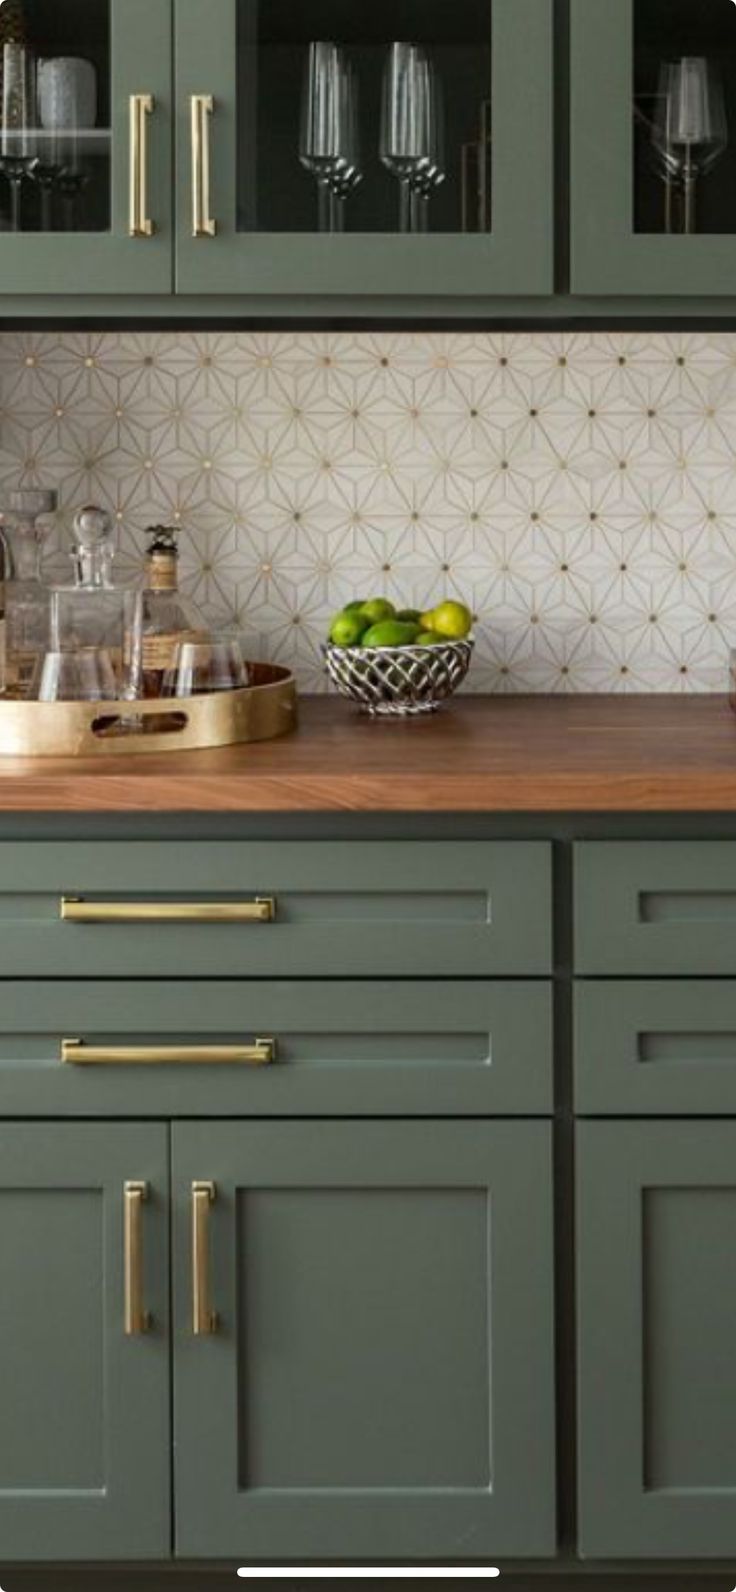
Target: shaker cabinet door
657,1327
85,190
372,1373
362,167
84,1391
653,156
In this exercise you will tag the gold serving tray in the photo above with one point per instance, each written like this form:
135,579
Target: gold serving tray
261,712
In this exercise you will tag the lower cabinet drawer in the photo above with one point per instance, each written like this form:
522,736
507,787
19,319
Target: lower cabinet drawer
655,908
275,909
655,1047
332,1048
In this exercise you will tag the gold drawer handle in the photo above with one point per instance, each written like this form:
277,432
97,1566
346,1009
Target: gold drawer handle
75,1053
202,110
141,107
204,1318
137,1318
75,910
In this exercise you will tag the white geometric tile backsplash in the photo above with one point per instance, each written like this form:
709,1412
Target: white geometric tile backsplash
577,489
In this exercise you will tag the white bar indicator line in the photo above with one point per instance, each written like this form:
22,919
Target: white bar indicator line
377,1574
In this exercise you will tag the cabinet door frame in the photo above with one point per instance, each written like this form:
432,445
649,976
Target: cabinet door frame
129,1515
619,1516
113,262
516,257
513,1516
607,256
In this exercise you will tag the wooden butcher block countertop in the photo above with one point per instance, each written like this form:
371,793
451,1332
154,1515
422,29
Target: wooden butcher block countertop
479,754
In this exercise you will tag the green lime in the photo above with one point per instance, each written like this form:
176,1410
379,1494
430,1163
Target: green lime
430,638
376,609
354,608
390,633
346,629
409,616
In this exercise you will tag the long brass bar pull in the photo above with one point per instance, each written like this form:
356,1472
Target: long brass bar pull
137,1318
75,1053
203,223
141,107
262,909
204,1318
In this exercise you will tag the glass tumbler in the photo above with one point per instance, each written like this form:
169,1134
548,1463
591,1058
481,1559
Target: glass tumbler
203,667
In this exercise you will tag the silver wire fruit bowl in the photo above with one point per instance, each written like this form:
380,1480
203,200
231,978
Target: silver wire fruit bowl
399,682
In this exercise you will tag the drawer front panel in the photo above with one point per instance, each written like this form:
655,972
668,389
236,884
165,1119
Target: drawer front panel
656,1048
351,908
277,1048
655,907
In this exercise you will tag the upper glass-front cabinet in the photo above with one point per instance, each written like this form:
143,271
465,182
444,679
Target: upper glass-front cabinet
365,147
85,146
653,146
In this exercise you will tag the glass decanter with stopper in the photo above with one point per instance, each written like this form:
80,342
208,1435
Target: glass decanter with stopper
94,626
26,594
168,618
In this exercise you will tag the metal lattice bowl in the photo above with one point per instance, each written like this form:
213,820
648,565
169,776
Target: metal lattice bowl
399,682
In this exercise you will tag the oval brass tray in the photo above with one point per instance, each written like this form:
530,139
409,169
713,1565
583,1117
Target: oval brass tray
260,712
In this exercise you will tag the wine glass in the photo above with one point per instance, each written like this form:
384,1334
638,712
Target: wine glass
17,157
411,133
328,142
690,129
201,667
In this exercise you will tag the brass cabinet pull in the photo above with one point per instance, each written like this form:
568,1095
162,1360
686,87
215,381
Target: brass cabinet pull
261,910
204,1318
203,224
137,1319
141,107
75,1053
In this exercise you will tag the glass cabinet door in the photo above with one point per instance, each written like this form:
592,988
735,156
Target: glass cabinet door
654,146
85,146
365,147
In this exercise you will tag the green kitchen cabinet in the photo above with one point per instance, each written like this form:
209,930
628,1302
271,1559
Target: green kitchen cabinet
657,1319
93,201
653,173
251,217
84,1391
373,1371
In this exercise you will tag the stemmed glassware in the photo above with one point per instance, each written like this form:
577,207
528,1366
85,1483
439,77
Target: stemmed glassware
412,134
17,155
689,131
329,140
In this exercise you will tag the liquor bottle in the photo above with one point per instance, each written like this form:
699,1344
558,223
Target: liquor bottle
168,618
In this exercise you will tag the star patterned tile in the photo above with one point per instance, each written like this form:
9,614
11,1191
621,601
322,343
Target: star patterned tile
577,490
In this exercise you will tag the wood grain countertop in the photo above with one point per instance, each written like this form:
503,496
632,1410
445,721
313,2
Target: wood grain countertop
481,754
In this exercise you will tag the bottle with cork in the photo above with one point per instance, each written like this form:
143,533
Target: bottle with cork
168,617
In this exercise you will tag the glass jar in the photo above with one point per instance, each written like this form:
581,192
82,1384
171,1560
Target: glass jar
26,594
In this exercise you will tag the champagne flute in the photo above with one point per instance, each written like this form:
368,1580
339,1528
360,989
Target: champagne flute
690,129
18,118
328,142
430,172
411,131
